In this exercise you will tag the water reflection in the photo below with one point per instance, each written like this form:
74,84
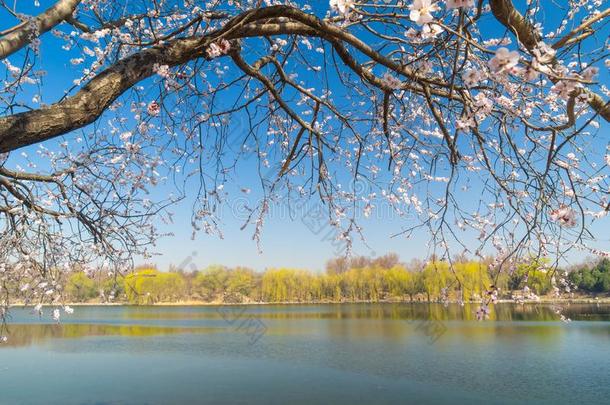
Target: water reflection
356,322
36,334
399,311
340,354
432,311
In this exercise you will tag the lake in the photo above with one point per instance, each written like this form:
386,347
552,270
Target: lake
308,354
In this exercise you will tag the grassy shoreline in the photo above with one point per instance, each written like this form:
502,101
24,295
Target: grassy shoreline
196,303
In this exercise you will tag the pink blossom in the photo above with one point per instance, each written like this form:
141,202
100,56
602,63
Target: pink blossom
530,73
219,48
483,312
225,46
504,60
154,108
484,105
343,6
564,88
459,3
392,81
589,73
421,11
465,123
564,215
213,51
472,77
161,70
428,31
543,52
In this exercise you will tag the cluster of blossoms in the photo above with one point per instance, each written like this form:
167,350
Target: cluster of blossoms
421,11
566,87
427,32
483,312
564,215
543,56
31,287
459,3
564,285
493,295
526,294
218,48
392,81
485,119
57,313
342,6
444,296
504,61
153,108
472,77
162,70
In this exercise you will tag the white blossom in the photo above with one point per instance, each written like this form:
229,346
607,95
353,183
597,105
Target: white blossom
421,11
153,108
564,215
162,70
218,48
459,3
472,77
342,6
504,60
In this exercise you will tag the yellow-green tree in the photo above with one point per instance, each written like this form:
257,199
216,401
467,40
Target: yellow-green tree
331,287
211,284
473,279
435,276
283,285
148,286
400,282
533,274
80,288
240,284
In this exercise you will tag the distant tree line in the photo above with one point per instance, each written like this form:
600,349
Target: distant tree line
592,277
345,280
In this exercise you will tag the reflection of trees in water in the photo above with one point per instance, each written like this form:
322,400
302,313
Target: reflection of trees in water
26,335
392,321
434,311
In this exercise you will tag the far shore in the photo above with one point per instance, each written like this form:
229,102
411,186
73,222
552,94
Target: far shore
194,303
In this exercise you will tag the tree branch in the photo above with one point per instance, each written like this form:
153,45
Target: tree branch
17,39
506,13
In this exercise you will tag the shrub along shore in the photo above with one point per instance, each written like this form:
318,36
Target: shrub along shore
360,279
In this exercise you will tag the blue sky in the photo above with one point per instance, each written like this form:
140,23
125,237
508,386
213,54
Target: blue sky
286,240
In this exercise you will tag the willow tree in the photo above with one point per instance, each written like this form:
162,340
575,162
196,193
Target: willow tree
476,116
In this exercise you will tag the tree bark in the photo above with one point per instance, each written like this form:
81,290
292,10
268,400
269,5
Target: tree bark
23,35
506,13
86,105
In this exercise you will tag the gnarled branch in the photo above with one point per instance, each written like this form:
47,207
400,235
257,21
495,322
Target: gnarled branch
17,39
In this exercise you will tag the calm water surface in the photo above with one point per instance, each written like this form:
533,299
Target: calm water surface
313,354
